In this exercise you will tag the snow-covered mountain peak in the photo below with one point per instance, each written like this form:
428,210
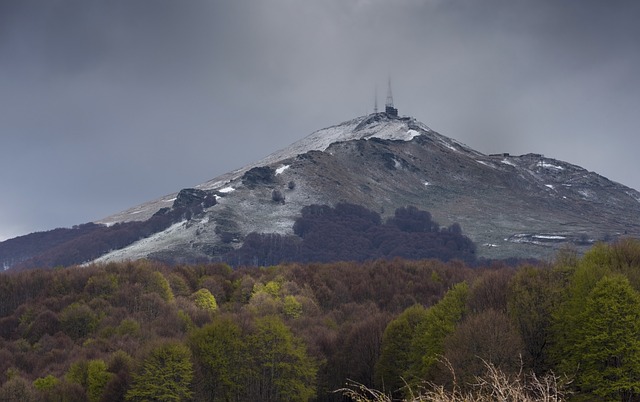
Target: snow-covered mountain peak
376,125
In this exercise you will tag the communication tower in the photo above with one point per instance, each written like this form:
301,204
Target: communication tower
388,107
375,100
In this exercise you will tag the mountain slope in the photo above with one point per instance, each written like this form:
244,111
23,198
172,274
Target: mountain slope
522,206
510,206
365,127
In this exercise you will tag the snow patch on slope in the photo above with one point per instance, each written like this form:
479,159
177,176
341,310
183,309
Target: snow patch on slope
547,165
143,247
487,164
282,169
411,134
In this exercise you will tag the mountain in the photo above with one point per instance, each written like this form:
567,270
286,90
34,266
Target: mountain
525,206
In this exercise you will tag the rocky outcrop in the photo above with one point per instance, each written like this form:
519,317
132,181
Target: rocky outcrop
193,197
259,176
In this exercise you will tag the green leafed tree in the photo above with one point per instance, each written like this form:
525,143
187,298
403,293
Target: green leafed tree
439,321
97,379
77,373
222,360
204,300
534,293
606,356
282,370
291,307
582,279
92,375
78,320
166,375
395,355
157,283
45,383
119,365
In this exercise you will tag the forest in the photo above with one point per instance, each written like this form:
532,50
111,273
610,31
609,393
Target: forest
384,330
349,232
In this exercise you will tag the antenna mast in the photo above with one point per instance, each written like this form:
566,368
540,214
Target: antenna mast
388,107
389,102
375,100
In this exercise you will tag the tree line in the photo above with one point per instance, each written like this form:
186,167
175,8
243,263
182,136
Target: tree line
144,330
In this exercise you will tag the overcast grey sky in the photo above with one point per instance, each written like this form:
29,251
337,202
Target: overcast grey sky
108,104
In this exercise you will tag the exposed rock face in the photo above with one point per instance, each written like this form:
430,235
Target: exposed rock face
193,197
258,175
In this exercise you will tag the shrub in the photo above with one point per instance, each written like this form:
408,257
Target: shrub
493,386
277,196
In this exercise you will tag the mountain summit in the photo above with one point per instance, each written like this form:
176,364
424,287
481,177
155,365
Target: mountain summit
511,206
379,126
523,206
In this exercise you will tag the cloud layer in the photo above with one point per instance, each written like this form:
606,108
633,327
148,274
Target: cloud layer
107,104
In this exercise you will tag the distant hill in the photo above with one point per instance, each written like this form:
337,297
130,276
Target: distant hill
525,206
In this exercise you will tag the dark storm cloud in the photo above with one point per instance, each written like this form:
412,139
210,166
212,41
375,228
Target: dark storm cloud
106,104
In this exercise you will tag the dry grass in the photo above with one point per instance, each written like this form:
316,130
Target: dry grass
493,386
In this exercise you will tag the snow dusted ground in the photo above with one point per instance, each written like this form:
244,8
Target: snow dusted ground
504,203
364,127
143,247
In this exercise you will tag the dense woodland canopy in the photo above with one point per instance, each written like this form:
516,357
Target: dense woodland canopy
297,332
348,232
